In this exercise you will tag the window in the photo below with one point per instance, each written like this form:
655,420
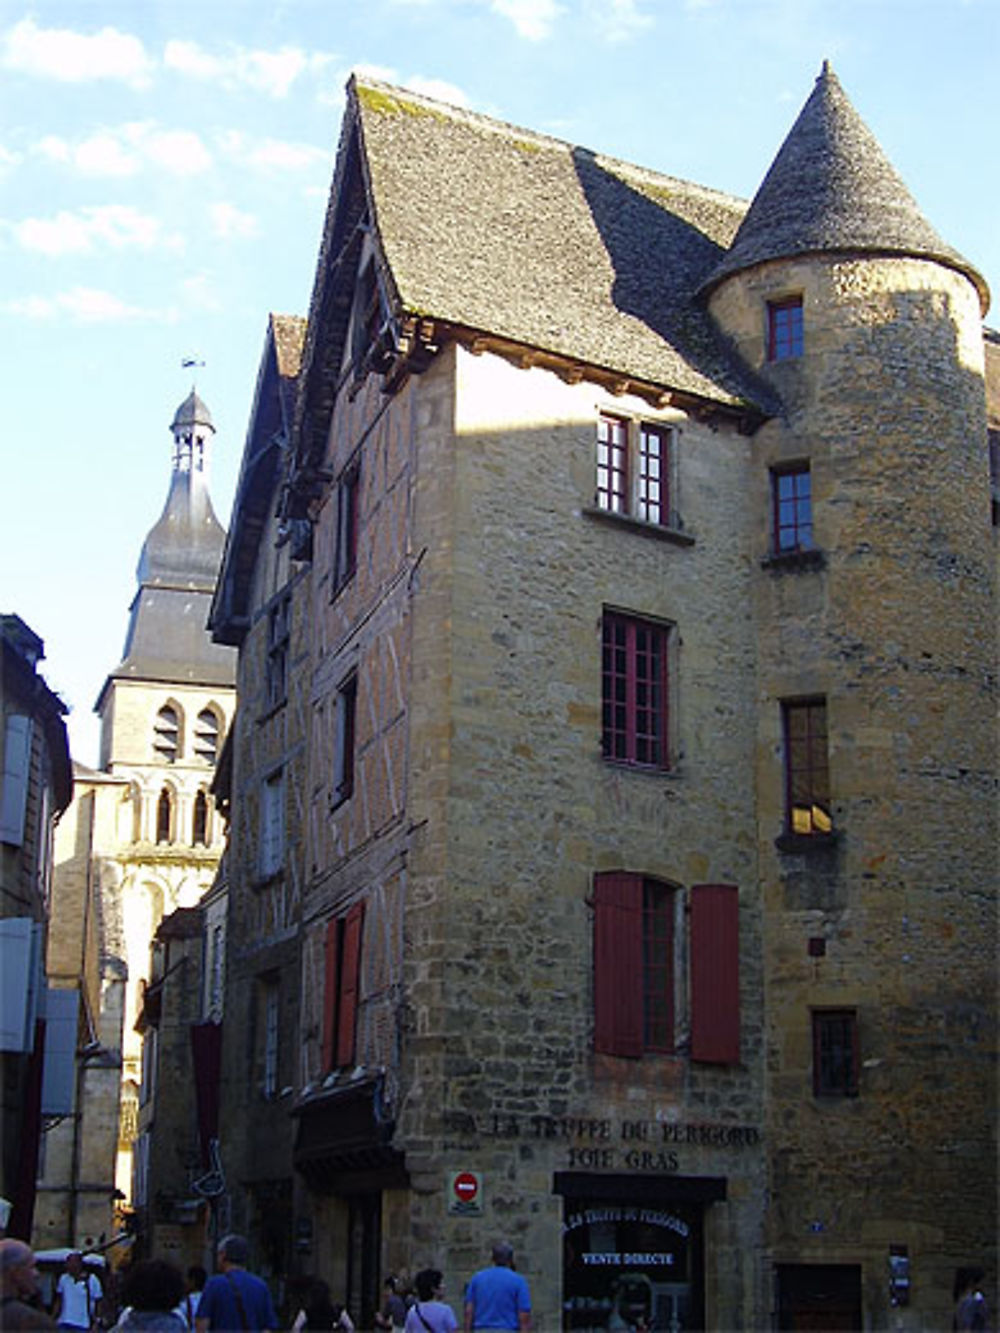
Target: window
216,973
206,735
278,623
633,469
343,752
994,446
166,734
341,989
345,555
271,997
199,832
791,491
784,329
272,824
634,691
835,1052
371,342
16,775
807,776
637,920
164,816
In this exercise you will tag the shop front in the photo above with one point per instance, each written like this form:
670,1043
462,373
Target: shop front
633,1250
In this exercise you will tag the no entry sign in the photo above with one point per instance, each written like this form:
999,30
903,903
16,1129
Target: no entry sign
466,1193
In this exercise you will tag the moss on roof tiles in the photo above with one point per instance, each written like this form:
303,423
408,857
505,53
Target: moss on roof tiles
532,239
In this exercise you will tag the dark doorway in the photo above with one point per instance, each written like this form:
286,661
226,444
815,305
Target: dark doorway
820,1296
364,1246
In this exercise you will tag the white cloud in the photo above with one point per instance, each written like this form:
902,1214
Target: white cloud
128,149
74,57
8,160
439,88
199,293
270,72
85,305
533,19
115,226
272,154
231,223
618,20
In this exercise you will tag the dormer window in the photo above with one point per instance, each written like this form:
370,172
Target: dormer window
784,329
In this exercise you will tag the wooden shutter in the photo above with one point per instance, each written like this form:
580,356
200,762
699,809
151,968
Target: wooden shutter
715,973
350,968
331,974
618,963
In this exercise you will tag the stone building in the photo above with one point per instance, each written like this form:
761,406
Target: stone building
37,1029
142,837
639,862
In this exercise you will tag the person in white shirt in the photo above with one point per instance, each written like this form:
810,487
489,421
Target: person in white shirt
78,1295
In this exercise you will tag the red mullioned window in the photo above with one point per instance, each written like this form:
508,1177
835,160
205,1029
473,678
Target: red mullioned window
792,499
634,691
612,465
785,338
835,1052
633,469
807,769
635,1000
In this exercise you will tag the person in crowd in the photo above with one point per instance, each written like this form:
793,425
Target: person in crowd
971,1311
497,1297
320,1312
151,1292
194,1285
19,1288
393,1312
234,1298
79,1301
429,1313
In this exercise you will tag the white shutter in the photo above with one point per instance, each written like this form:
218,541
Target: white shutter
16,768
59,1068
20,982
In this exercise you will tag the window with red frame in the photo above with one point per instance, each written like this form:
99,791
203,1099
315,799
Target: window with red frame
342,987
807,770
635,983
345,554
633,469
791,490
835,1052
634,691
785,338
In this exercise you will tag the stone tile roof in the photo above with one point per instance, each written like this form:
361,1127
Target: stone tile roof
531,239
832,189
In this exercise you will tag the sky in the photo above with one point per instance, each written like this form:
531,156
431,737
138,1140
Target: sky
164,170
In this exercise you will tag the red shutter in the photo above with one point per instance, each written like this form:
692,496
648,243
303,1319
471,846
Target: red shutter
349,972
715,973
618,963
330,979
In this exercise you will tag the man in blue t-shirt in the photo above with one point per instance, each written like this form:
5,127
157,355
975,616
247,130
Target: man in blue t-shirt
235,1299
497,1298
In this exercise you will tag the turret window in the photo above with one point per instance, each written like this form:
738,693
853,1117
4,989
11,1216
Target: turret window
784,329
807,770
791,489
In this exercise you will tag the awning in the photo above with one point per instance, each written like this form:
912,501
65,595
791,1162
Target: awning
343,1144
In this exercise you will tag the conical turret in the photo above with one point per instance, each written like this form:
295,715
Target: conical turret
831,189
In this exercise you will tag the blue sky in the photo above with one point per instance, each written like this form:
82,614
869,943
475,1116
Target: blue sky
164,166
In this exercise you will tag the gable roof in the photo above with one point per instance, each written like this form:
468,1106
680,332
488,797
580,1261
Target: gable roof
260,473
490,229
831,188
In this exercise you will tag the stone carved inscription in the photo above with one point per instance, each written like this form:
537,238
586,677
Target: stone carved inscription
607,1145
